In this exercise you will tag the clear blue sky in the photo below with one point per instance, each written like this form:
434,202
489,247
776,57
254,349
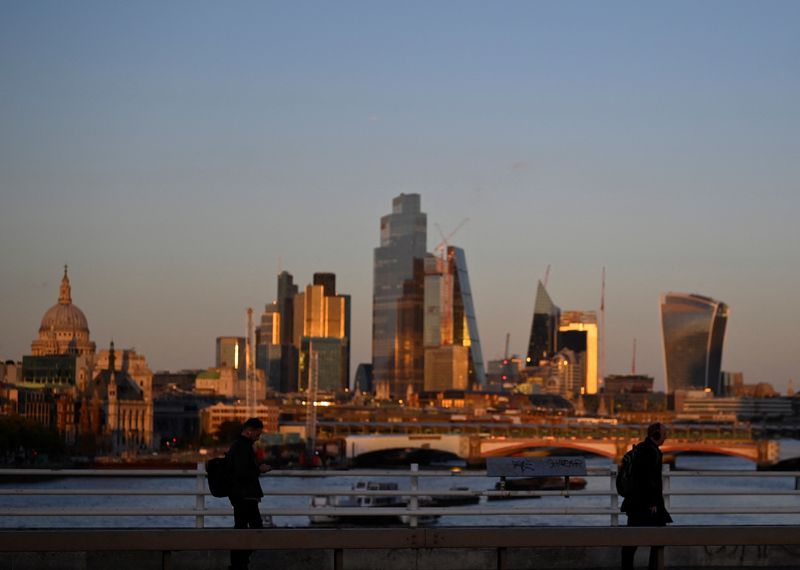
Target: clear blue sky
176,154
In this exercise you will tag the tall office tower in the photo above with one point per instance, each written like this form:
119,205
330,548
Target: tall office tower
450,331
465,323
578,332
322,328
289,355
544,330
231,351
328,281
286,292
397,302
268,346
694,331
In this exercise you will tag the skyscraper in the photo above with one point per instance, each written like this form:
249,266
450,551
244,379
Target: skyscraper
397,303
322,332
268,346
450,332
328,281
577,331
231,353
465,323
544,330
289,355
694,331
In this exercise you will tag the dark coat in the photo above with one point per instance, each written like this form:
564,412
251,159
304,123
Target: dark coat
243,470
646,488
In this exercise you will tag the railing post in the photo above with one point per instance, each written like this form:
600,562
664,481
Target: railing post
665,483
613,496
166,560
338,559
502,558
658,557
200,497
414,502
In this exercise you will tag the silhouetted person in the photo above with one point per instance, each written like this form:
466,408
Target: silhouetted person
245,490
644,504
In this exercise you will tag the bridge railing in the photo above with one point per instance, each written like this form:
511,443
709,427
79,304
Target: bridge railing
501,540
599,502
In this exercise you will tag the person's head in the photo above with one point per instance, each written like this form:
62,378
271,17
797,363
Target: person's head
252,428
657,432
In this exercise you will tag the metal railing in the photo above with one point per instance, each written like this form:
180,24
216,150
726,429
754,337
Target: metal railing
414,508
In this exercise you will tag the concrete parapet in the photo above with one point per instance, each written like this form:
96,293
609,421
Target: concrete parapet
677,558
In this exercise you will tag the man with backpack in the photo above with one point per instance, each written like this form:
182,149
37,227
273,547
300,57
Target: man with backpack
244,490
644,498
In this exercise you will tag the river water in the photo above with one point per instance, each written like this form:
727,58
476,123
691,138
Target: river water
743,485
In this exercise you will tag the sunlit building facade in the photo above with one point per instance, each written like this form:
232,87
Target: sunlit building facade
102,402
693,328
231,353
449,320
397,309
578,332
322,335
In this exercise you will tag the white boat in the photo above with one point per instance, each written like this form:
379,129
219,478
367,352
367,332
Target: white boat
366,501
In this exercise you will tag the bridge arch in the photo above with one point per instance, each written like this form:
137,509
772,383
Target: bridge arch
602,449
750,454
395,457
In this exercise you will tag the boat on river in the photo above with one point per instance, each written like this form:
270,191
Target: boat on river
452,500
536,484
367,501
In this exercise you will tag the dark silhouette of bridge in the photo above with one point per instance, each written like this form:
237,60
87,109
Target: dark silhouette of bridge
476,448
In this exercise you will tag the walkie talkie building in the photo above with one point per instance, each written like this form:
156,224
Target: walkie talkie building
694,330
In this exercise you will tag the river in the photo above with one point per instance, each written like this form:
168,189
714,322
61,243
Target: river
743,485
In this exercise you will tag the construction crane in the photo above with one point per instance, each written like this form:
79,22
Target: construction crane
311,401
249,386
603,328
443,249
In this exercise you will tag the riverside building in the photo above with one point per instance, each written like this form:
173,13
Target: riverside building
101,401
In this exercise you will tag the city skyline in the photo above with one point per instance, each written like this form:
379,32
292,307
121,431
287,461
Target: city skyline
176,176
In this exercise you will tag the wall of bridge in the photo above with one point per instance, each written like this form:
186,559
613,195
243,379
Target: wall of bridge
361,444
686,558
474,448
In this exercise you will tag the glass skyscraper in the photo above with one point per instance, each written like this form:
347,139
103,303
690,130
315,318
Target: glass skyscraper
543,342
694,330
465,325
449,321
397,302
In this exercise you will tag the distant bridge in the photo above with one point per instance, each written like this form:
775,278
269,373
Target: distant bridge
477,448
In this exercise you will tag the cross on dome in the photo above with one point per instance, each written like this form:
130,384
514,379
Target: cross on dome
65,295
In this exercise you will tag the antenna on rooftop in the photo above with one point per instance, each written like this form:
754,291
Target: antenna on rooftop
546,276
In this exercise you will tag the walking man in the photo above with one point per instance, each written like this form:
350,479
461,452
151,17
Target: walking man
245,490
644,503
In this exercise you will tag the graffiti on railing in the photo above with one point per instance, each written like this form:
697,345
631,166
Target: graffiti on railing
535,466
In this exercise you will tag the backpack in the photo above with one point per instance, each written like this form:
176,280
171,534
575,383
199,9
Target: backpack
217,472
625,473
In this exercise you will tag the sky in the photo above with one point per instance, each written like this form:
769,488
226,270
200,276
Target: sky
178,155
